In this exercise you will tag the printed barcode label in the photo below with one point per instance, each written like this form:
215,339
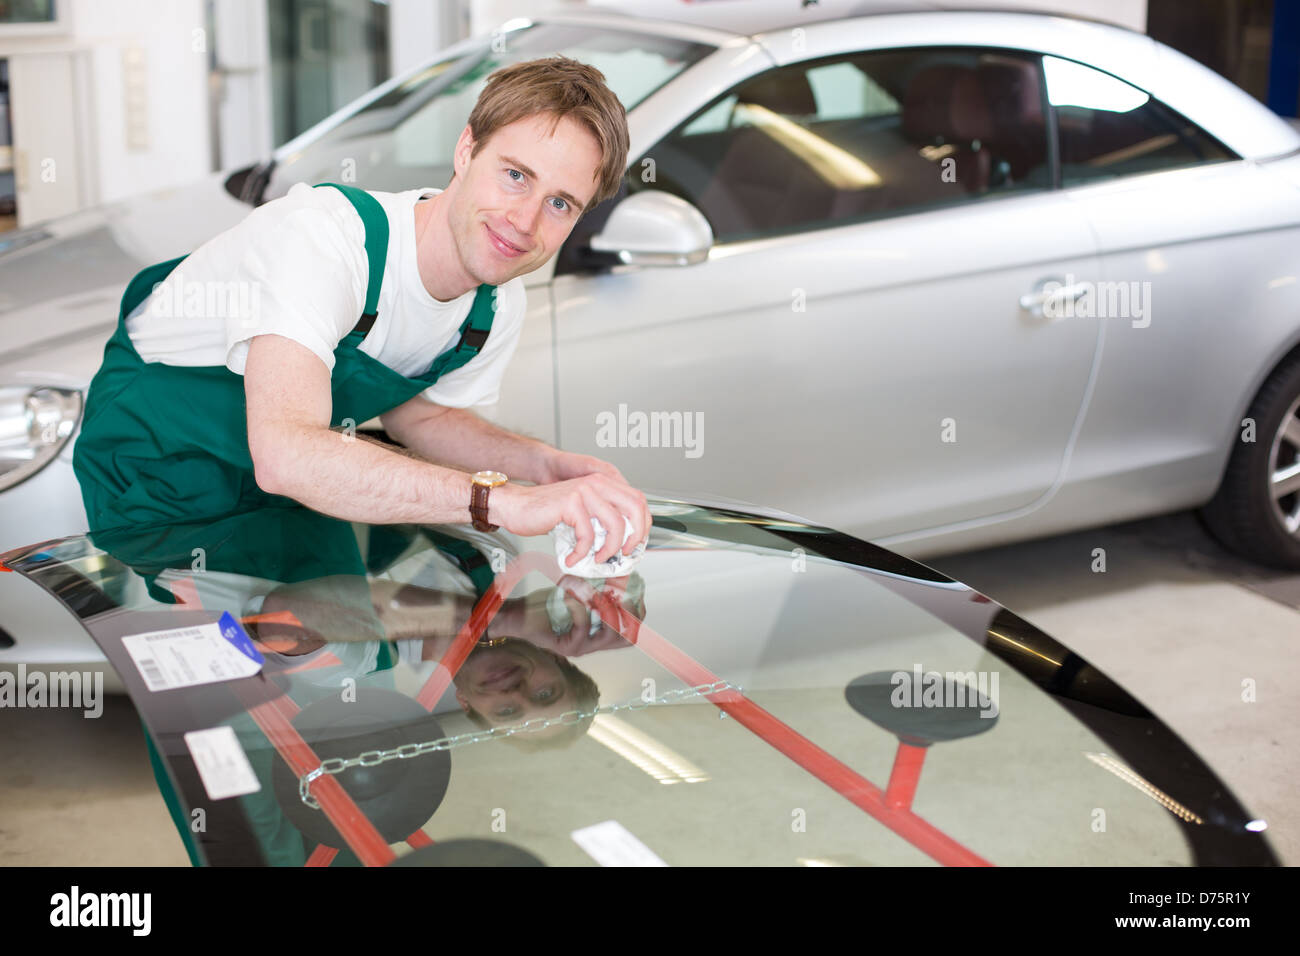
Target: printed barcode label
185,656
152,675
171,635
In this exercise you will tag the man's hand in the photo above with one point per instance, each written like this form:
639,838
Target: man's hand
529,510
530,619
296,454
331,609
563,465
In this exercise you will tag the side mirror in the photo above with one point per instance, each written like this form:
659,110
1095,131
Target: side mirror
655,228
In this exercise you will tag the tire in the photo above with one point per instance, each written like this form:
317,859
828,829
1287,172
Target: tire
1243,513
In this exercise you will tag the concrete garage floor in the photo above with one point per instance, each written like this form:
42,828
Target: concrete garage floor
78,791
1174,618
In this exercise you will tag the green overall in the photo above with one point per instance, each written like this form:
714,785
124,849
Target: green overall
164,466
166,443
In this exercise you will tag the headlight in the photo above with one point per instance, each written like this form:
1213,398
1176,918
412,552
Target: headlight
36,421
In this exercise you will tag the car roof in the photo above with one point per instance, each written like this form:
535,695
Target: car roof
752,17
1234,117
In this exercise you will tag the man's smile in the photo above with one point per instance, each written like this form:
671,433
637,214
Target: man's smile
506,249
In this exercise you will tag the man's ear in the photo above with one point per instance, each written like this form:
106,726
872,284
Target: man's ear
464,146
464,704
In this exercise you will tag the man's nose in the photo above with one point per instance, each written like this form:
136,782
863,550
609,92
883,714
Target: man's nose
510,697
523,217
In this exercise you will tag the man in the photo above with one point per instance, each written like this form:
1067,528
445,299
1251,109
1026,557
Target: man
171,433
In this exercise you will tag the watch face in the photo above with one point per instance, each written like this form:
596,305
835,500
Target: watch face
492,478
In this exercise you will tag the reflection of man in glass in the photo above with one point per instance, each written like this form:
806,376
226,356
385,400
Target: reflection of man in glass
515,681
519,674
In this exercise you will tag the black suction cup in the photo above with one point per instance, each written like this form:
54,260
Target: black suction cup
397,796
885,702
469,853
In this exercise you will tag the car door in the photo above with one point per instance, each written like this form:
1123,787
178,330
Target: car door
1199,255
854,349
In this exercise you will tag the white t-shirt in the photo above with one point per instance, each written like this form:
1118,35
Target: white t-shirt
297,267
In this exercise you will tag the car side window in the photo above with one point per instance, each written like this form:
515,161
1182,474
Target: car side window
1108,128
857,136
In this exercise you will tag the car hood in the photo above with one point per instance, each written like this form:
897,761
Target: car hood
61,282
759,690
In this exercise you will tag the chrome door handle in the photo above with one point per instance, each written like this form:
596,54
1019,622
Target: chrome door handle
1051,292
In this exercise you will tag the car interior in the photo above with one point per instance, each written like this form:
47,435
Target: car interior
793,167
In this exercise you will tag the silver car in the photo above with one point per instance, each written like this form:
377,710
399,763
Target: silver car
940,279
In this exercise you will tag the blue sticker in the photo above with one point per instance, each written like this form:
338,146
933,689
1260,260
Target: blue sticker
235,634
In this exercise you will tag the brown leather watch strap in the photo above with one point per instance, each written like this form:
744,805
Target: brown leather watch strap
478,507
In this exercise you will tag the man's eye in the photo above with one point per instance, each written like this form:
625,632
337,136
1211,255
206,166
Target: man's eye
511,174
506,712
564,207
544,695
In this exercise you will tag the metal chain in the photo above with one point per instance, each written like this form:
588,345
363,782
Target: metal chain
373,758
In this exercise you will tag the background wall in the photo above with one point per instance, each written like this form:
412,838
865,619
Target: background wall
110,103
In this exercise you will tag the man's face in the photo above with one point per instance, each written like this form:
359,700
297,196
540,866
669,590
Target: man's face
519,198
513,683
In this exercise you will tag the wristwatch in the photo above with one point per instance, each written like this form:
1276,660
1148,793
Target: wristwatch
483,482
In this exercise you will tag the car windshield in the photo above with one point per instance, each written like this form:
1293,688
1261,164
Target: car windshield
405,138
757,691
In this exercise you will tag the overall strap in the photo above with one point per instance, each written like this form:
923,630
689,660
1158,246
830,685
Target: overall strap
466,557
375,221
473,334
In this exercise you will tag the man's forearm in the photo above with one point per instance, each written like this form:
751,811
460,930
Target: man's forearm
460,438
358,479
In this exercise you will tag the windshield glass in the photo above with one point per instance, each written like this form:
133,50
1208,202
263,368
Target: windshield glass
755,692
405,138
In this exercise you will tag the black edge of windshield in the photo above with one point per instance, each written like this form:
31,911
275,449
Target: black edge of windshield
85,599
743,527
1107,710
1144,741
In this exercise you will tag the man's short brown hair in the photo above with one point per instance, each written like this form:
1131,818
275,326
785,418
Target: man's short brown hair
563,87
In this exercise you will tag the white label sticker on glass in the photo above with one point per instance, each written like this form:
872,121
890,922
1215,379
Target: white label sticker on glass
221,762
612,844
184,656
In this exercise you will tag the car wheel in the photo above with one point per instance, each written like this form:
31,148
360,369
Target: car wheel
1256,511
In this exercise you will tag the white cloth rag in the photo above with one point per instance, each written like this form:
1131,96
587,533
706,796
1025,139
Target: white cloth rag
566,539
